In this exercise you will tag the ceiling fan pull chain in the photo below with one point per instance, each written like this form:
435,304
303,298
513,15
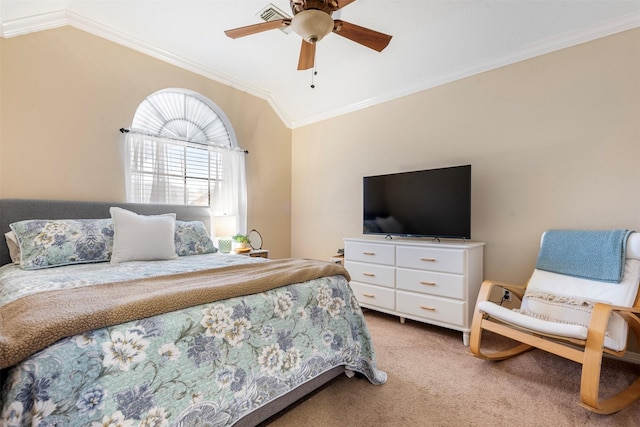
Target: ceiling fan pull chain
313,73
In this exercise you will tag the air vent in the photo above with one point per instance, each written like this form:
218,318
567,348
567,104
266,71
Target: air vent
272,13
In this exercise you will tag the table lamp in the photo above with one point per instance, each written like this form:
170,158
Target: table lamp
225,227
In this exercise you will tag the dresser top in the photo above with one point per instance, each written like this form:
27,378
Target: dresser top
407,241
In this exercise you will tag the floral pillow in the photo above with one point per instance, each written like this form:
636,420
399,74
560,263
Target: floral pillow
49,243
191,238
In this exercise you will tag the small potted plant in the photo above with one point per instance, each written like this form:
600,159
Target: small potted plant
241,243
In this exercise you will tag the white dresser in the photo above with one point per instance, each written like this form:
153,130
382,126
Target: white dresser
431,282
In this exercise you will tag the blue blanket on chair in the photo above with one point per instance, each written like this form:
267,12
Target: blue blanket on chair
589,254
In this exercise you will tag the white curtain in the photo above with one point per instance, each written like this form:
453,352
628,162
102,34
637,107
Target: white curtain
146,169
230,196
172,171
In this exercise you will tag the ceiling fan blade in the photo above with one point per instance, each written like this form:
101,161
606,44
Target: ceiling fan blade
343,3
366,37
307,56
257,28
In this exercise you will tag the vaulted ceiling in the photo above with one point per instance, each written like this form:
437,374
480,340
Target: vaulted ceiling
434,42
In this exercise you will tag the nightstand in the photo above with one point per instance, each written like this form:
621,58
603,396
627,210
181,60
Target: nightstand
259,253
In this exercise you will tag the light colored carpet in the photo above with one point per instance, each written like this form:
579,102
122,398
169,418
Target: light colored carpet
433,380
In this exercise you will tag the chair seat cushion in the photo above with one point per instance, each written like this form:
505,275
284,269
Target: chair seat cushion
533,323
561,305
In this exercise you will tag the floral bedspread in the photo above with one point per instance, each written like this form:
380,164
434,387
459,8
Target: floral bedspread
206,365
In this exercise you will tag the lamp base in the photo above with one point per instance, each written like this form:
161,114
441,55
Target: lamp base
224,245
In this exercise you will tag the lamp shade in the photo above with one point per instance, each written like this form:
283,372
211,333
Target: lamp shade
312,25
225,226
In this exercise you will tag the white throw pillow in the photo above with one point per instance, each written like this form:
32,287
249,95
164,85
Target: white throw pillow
141,237
14,246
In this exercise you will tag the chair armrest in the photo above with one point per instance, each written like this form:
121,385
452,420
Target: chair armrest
600,320
632,316
592,360
621,310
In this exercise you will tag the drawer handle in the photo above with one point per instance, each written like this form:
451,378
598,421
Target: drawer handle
369,274
428,283
368,253
428,259
369,295
424,307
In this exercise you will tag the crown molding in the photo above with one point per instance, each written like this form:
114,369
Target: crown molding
32,24
56,19
136,44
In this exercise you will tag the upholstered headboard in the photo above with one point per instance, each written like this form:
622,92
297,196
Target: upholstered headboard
13,210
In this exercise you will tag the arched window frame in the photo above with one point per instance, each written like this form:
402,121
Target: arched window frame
182,148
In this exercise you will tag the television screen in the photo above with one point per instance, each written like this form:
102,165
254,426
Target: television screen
427,203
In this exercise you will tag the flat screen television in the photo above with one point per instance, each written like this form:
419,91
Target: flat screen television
428,203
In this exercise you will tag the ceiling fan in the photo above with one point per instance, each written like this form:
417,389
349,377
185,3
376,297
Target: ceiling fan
312,21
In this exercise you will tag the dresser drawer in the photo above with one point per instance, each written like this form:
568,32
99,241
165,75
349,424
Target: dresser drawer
434,259
374,295
433,308
370,252
374,274
431,282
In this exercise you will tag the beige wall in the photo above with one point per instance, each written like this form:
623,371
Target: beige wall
554,142
65,94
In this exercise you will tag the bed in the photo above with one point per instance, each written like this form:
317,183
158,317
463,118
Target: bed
102,337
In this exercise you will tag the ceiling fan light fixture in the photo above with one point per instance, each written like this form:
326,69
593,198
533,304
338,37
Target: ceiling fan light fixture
312,25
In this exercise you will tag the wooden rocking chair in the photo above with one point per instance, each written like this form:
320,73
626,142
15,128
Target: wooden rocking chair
573,317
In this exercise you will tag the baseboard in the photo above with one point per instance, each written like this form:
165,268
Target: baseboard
629,356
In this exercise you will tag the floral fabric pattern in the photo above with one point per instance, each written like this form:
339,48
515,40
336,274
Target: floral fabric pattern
48,243
192,239
206,365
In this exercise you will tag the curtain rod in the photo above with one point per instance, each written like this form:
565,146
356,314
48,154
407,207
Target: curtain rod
136,132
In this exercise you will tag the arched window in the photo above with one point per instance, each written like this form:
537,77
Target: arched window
181,149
